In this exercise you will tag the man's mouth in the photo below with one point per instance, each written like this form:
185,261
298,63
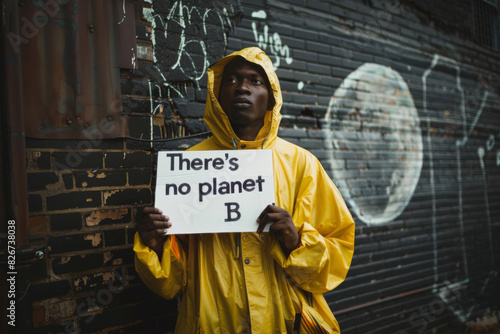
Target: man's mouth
241,103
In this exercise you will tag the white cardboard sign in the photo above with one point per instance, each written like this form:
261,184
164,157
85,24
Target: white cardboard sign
214,191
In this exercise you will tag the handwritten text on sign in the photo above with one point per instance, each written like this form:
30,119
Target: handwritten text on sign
214,191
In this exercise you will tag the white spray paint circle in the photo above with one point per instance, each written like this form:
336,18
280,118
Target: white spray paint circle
373,133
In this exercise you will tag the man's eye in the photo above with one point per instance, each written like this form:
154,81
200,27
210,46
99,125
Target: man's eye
258,82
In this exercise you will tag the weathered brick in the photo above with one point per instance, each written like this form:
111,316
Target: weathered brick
288,85
114,238
285,74
311,143
158,131
316,133
190,109
196,126
317,111
38,315
306,55
127,197
318,5
62,309
77,160
133,106
295,133
76,263
66,221
317,68
200,94
41,160
321,154
307,122
75,242
127,159
292,109
108,280
317,47
142,31
35,203
53,328
347,135
156,308
134,145
137,177
139,127
118,257
75,199
181,144
305,77
148,326
39,181
111,318
288,121
130,235
68,181
100,178
49,290
75,144
135,87
293,43
304,34
104,217
38,225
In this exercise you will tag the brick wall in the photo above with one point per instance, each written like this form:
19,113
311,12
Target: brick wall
401,110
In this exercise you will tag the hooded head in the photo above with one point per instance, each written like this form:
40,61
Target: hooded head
220,123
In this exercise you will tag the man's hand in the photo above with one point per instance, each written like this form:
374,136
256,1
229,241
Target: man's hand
282,227
153,227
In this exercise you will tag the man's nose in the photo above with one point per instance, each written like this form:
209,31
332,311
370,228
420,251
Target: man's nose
243,87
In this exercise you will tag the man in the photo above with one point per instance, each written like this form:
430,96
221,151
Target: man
253,282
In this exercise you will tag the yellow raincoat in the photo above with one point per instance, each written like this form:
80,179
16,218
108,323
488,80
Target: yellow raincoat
238,282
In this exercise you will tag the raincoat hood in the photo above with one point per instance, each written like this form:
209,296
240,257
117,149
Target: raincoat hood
217,120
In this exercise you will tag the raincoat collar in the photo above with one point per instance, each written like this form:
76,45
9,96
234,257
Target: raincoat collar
217,120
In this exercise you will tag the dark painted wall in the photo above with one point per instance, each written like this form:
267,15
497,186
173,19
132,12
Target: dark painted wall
396,99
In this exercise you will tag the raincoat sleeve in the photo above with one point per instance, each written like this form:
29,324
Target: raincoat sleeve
326,231
165,278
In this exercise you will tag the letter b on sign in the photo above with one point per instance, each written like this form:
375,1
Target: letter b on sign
232,212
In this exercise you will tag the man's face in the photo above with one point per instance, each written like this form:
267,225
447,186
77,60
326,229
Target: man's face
244,93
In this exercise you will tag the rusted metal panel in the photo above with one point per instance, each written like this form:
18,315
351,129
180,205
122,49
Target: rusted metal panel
70,68
13,140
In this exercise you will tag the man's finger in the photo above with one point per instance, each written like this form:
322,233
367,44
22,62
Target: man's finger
158,217
153,217
151,210
148,225
263,213
262,226
162,231
268,218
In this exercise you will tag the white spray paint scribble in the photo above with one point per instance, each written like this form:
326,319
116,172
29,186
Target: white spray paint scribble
261,14
124,13
184,17
272,42
464,313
